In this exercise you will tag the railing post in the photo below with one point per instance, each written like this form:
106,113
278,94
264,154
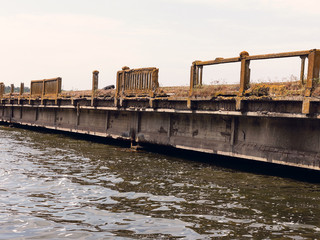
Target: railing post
154,82
21,91
95,74
58,89
303,60
200,77
1,89
192,78
245,73
31,91
117,88
11,90
43,91
313,70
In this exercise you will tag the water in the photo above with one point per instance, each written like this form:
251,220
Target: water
56,187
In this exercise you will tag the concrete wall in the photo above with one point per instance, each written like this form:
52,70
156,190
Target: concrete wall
283,140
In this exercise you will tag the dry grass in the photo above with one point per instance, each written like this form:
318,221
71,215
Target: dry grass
269,89
256,89
87,93
281,89
216,90
177,91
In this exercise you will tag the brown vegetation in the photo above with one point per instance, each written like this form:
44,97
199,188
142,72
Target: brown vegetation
266,89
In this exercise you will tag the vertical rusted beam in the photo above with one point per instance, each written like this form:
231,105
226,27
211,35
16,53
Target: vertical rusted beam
146,74
21,89
42,92
140,79
245,73
200,78
313,70
135,80
143,80
30,94
118,84
129,81
1,90
303,60
124,79
197,76
125,82
11,90
151,85
154,81
122,82
58,90
95,77
192,78
306,105
136,76
146,80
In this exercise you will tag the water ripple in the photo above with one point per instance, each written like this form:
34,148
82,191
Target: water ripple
54,187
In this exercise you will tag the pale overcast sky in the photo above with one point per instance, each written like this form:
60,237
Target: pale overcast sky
71,38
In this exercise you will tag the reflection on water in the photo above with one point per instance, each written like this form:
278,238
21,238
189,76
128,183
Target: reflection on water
53,186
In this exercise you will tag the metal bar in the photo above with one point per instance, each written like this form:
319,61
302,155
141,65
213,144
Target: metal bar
303,60
279,55
134,81
42,92
245,72
150,80
1,89
11,90
21,91
197,76
217,61
201,70
118,84
192,70
140,83
254,57
94,85
143,80
313,70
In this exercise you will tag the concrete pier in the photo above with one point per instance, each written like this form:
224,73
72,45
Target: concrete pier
269,123
270,131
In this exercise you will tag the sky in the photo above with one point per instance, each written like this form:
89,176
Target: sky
71,38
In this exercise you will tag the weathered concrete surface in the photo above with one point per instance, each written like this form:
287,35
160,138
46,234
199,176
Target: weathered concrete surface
262,130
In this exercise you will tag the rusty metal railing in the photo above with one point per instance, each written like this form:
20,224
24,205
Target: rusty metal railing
142,81
313,68
46,88
1,89
95,82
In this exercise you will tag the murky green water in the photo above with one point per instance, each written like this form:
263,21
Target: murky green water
56,187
